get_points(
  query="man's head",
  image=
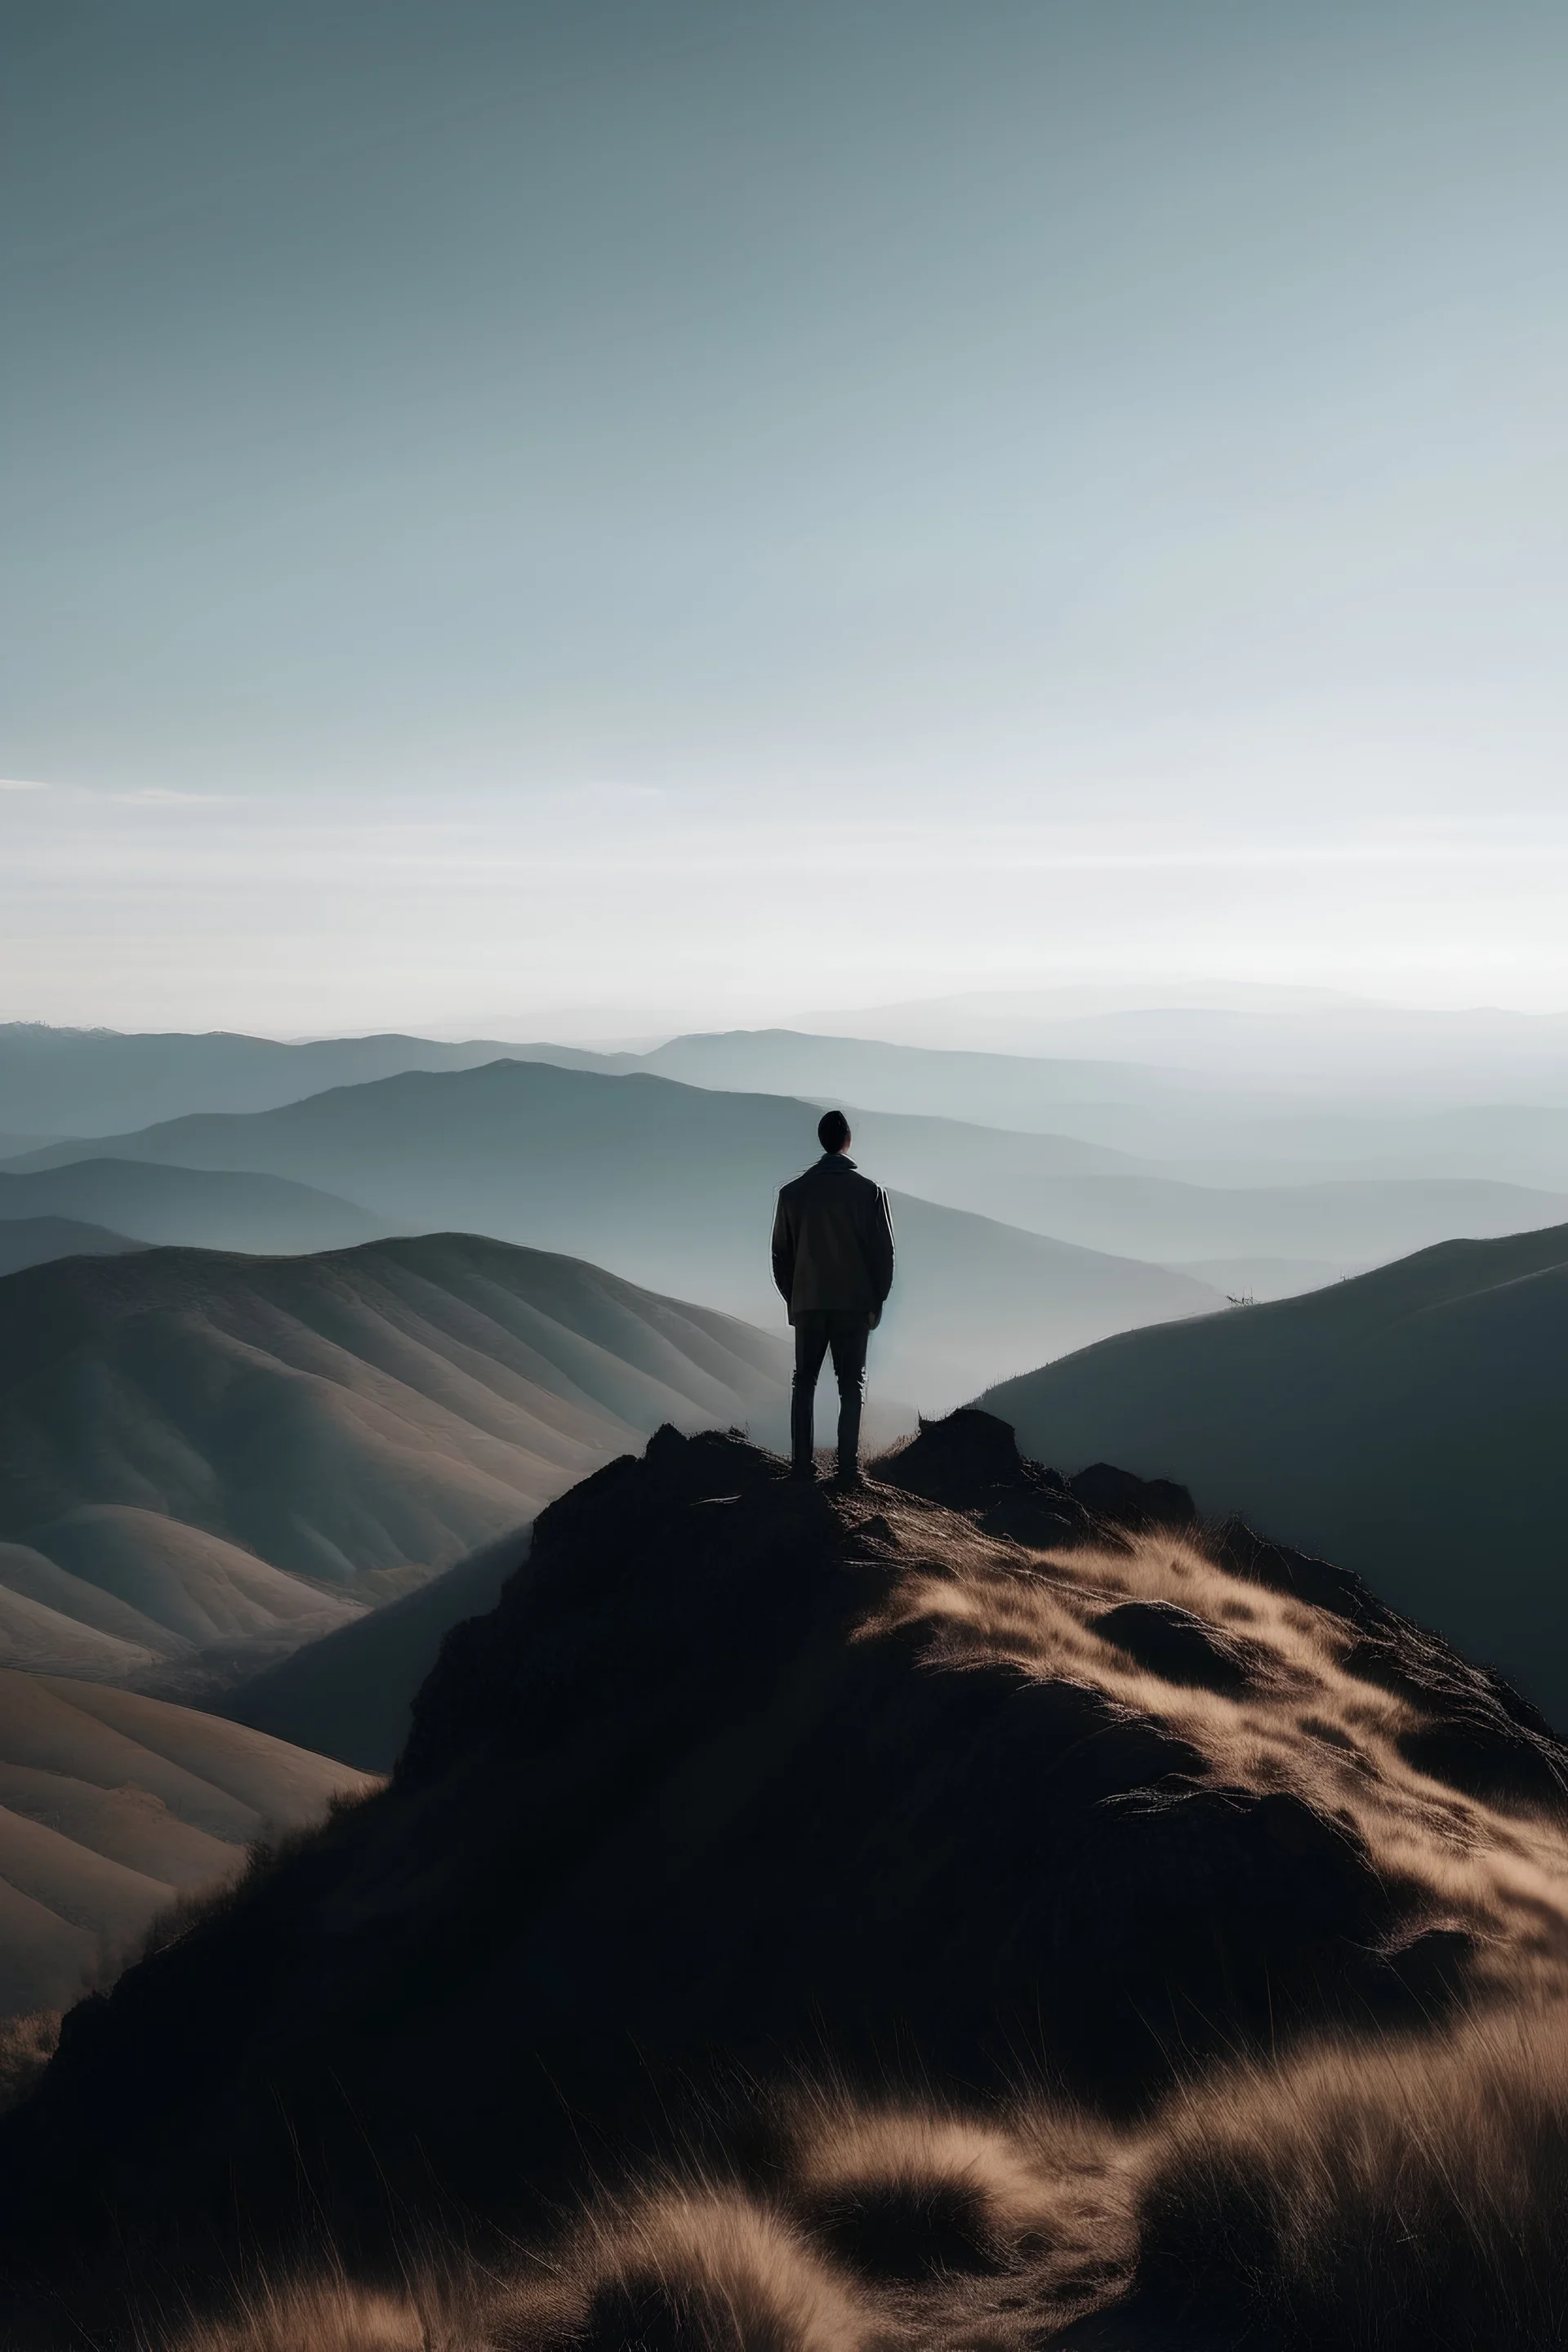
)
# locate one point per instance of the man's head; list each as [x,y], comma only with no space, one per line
[833,1131]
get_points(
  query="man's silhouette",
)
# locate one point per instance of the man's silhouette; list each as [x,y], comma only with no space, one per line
[833,1262]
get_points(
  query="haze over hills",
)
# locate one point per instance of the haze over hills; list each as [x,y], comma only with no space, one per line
[113,1807]
[207,1460]
[33,1241]
[1314,1040]
[1222,1109]
[1242,1189]
[674,1186]
[1409,1423]
[1001,1090]
[1014,1883]
[82,1081]
[196,1207]
[1112,1203]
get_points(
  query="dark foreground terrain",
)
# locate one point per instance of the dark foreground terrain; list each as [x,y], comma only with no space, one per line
[969,1912]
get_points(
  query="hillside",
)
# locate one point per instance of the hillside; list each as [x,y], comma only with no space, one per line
[1409,1424]
[197,1208]
[34,1241]
[674,1186]
[112,1807]
[207,1460]
[802,1841]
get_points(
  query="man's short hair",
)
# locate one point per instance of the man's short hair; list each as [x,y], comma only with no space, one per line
[833,1130]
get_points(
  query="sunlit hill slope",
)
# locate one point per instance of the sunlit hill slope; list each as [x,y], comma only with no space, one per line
[205,1460]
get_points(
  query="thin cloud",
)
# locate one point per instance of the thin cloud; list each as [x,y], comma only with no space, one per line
[16,784]
[161,796]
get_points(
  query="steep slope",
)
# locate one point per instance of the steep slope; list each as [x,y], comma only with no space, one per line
[34,1241]
[197,1207]
[926,1787]
[111,1808]
[1409,1423]
[212,1459]
[674,1186]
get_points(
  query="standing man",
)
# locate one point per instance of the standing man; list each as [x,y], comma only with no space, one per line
[833,1263]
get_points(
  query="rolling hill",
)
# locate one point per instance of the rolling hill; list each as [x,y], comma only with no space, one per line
[34,1241]
[206,1461]
[980,1911]
[1409,1423]
[674,1186]
[113,1807]
[197,1208]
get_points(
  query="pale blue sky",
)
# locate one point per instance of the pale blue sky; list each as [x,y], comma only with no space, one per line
[714,509]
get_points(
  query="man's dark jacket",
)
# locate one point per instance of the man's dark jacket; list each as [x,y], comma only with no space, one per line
[833,1240]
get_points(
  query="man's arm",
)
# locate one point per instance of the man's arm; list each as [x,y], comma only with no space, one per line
[783,1254]
[879,1247]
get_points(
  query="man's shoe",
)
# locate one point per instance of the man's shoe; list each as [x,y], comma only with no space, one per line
[803,1473]
[849,1481]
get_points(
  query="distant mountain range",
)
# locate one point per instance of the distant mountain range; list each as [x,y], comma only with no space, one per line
[1410,1423]
[112,1807]
[206,1461]
[195,1207]
[672,1186]
[1326,1184]
[95,1081]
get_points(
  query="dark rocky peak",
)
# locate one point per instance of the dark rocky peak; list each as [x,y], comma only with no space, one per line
[969,1461]
[1117,1495]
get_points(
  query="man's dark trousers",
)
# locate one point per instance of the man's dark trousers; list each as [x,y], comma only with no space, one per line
[845,1330]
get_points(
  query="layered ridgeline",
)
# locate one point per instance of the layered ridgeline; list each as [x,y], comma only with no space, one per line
[113,1809]
[1269,1236]
[1411,1424]
[976,1911]
[674,1186]
[206,1461]
[200,1208]
[56,1082]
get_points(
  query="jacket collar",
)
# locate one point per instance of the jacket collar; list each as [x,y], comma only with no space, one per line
[842,1156]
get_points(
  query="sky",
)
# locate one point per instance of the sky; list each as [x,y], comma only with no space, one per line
[593,516]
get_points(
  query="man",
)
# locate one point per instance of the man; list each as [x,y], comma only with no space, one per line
[833,1263]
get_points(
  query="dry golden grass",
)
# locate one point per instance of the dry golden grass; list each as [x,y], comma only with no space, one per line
[328,2314]
[27,2045]
[1300,1722]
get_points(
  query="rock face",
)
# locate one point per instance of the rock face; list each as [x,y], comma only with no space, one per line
[948,1778]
